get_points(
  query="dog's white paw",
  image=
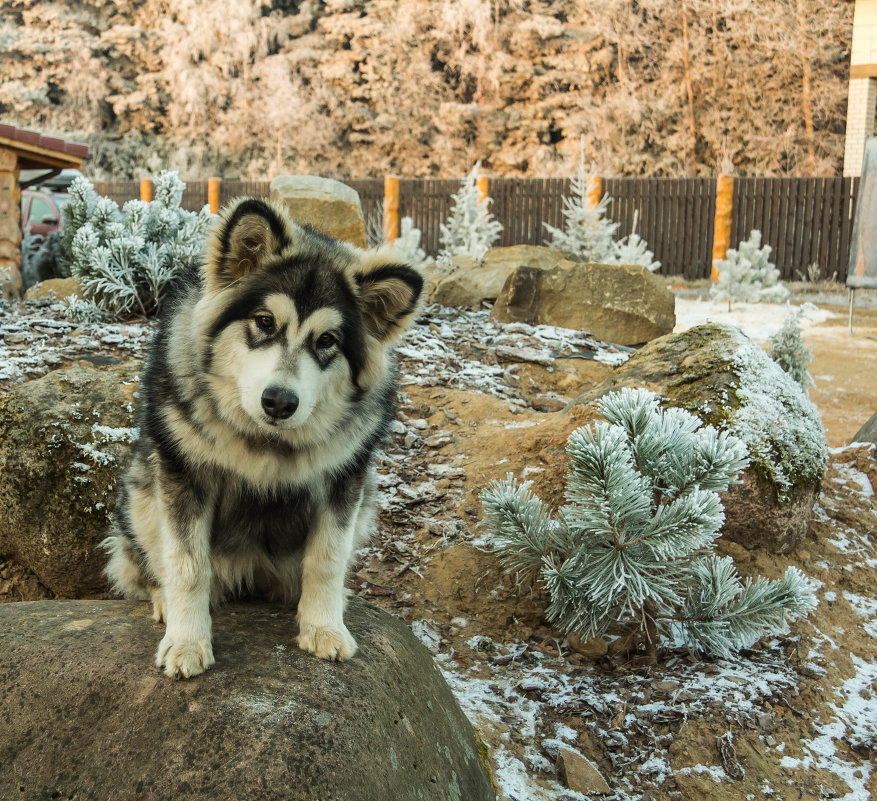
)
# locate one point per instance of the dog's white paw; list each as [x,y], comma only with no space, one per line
[186,658]
[327,642]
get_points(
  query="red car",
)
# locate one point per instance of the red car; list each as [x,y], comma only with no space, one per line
[41,212]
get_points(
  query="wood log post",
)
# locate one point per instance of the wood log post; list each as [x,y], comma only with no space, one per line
[593,190]
[146,190]
[722,223]
[214,193]
[482,183]
[391,208]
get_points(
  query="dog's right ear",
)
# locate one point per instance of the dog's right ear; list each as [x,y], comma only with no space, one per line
[248,231]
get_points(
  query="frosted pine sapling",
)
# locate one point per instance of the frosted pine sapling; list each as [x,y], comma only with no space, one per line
[126,260]
[746,275]
[634,543]
[633,249]
[788,349]
[470,229]
[586,232]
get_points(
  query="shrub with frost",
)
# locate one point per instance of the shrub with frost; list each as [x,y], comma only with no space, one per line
[586,231]
[590,236]
[634,544]
[788,349]
[407,244]
[471,229]
[633,249]
[746,274]
[127,259]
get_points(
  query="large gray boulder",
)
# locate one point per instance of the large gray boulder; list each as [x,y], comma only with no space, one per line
[323,203]
[87,716]
[470,283]
[625,304]
[63,440]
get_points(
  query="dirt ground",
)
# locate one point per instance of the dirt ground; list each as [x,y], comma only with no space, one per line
[778,723]
[844,368]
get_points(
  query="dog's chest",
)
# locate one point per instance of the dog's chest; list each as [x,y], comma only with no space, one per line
[277,523]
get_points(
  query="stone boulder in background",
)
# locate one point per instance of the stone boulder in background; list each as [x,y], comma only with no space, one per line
[90,717]
[63,440]
[624,304]
[323,203]
[54,289]
[470,283]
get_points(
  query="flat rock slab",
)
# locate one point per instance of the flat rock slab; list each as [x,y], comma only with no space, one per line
[87,716]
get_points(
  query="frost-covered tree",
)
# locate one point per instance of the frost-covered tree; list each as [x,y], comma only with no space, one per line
[745,274]
[633,249]
[634,543]
[788,349]
[407,244]
[470,229]
[126,260]
[586,231]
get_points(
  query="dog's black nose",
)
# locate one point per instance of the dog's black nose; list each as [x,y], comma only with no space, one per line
[279,403]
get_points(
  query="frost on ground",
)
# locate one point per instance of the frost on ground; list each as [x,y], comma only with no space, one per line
[36,338]
[684,730]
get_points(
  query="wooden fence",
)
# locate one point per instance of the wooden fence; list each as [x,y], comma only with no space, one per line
[804,220]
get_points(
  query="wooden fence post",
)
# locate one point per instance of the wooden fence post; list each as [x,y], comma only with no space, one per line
[594,190]
[146,190]
[722,224]
[214,193]
[391,208]
[481,182]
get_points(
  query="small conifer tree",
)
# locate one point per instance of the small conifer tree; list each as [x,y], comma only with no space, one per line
[407,244]
[633,249]
[126,260]
[746,275]
[788,349]
[634,543]
[586,232]
[470,229]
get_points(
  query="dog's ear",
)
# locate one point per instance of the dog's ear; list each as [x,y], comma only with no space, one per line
[248,231]
[389,293]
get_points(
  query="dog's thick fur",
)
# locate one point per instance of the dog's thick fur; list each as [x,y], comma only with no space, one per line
[270,385]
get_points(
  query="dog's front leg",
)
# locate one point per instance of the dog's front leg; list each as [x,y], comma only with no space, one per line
[321,628]
[186,649]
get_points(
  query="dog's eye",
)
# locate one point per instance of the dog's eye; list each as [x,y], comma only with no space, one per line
[265,323]
[325,340]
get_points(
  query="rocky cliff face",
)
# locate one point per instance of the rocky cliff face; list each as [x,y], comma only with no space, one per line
[353,88]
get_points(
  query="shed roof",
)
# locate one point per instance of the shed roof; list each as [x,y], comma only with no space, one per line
[36,150]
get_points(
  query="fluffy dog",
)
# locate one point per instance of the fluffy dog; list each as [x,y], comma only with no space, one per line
[270,384]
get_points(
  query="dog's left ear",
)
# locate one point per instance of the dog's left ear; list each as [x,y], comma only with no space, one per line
[389,293]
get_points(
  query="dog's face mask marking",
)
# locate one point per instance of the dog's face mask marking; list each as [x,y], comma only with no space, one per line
[290,364]
[298,323]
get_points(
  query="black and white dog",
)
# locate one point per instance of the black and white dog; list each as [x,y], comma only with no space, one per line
[270,385]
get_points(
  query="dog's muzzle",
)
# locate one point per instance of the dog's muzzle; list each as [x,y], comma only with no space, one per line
[279,403]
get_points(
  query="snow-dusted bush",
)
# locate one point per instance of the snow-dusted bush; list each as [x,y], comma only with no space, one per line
[634,544]
[590,236]
[788,349]
[470,229]
[586,232]
[633,249]
[407,244]
[126,260]
[745,274]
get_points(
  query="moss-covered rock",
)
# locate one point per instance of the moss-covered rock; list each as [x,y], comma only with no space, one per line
[89,717]
[63,438]
[722,376]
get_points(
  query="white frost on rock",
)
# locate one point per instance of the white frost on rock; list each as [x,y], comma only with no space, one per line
[776,419]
